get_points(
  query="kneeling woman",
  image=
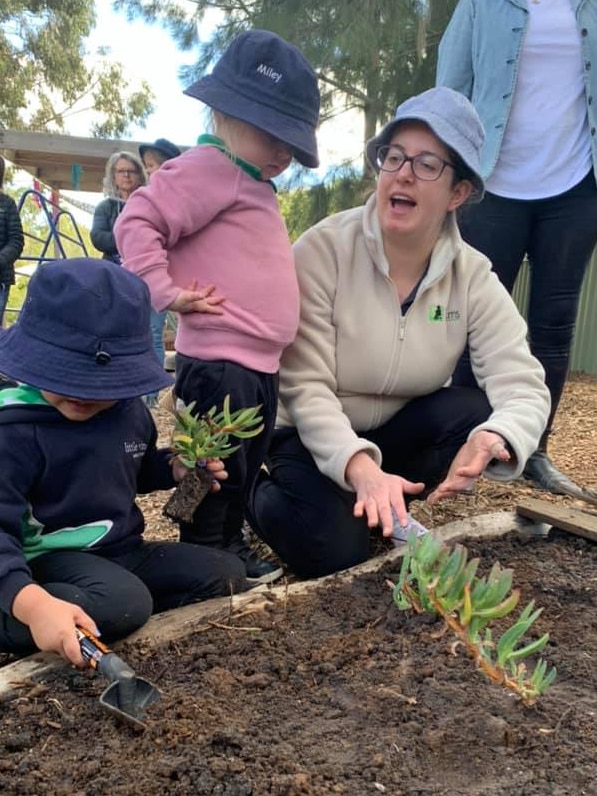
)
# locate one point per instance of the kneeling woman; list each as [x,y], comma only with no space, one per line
[390,295]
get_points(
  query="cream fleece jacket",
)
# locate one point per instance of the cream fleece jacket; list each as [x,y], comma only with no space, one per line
[357,360]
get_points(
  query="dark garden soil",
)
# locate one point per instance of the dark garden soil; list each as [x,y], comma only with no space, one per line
[334,692]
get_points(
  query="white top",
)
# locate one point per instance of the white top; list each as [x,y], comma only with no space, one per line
[546,148]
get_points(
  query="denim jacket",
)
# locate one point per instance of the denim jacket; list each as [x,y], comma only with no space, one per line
[479,56]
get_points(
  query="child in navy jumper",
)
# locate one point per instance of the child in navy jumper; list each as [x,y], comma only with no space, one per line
[211,217]
[76,446]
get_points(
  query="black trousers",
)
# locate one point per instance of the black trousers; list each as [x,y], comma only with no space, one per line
[219,518]
[308,519]
[122,592]
[558,235]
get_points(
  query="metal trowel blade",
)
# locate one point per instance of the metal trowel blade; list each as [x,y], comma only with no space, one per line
[129,699]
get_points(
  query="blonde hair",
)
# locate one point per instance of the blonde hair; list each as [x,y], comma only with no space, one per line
[110,188]
[229,129]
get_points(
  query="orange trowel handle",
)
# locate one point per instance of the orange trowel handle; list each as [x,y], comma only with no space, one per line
[92,648]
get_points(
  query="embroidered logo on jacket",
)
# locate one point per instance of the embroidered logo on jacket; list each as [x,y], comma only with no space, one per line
[135,447]
[438,314]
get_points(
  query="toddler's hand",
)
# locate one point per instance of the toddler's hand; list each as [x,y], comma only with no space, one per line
[192,299]
[216,468]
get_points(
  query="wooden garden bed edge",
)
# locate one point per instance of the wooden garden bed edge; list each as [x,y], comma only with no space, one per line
[177,623]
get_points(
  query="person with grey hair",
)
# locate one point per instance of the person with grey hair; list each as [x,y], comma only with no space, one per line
[124,174]
[390,296]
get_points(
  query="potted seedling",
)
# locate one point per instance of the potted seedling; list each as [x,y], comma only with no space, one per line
[443,581]
[199,437]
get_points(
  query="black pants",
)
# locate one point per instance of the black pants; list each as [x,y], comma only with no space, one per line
[558,235]
[121,593]
[219,518]
[308,519]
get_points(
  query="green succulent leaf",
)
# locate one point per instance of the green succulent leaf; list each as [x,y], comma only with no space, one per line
[433,577]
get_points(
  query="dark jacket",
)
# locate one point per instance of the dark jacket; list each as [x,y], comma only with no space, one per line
[11,239]
[102,229]
[71,484]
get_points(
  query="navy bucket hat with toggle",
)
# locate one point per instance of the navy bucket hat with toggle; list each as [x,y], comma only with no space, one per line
[84,332]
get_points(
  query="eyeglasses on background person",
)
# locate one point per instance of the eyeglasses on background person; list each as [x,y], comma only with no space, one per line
[126,172]
[425,165]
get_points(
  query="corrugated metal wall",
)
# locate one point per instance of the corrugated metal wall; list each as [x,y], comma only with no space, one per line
[584,349]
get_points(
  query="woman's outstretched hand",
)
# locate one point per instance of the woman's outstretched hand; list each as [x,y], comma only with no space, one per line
[469,463]
[379,494]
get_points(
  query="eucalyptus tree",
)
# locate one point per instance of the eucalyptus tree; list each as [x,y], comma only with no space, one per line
[369,54]
[45,72]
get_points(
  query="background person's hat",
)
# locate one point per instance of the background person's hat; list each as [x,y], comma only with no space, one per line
[454,121]
[265,81]
[84,332]
[167,148]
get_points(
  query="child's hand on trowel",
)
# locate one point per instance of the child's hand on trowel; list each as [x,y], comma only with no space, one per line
[52,622]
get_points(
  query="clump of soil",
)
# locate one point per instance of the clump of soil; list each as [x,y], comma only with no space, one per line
[183,501]
[334,692]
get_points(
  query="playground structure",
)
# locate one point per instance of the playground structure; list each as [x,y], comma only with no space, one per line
[59,227]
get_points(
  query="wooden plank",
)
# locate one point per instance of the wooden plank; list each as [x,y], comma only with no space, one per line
[572,520]
[180,622]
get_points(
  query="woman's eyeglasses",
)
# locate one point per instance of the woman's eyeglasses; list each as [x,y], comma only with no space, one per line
[126,172]
[425,166]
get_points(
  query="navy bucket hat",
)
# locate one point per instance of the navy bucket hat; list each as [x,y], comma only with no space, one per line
[162,145]
[84,332]
[267,82]
[452,118]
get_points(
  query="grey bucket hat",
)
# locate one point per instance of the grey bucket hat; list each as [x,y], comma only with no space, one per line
[452,118]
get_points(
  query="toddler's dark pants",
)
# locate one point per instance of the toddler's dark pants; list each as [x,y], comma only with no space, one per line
[219,518]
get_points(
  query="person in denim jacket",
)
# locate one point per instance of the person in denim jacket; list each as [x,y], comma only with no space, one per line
[530,69]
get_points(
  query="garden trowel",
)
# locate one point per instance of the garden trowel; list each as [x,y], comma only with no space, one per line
[127,696]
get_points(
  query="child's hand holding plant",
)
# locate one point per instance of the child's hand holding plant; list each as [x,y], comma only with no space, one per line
[200,443]
[216,468]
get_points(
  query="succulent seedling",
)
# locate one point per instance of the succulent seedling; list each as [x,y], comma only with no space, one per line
[437,579]
[199,437]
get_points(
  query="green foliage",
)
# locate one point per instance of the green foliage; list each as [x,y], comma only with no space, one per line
[303,207]
[437,579]
[43,73]
[207,436]
[369,55]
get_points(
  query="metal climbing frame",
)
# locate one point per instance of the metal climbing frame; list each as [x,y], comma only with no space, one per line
[61,227]
[58,228]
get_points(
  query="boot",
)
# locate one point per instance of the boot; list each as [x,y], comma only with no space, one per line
[258,569]
[544,474]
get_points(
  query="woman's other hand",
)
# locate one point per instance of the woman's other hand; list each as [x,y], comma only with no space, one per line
[469,463]
[379,495]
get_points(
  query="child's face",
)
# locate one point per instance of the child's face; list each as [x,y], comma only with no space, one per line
[262,150]
[76,409]
[151,162]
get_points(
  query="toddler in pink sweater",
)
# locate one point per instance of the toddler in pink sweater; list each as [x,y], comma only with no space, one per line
[211,217]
